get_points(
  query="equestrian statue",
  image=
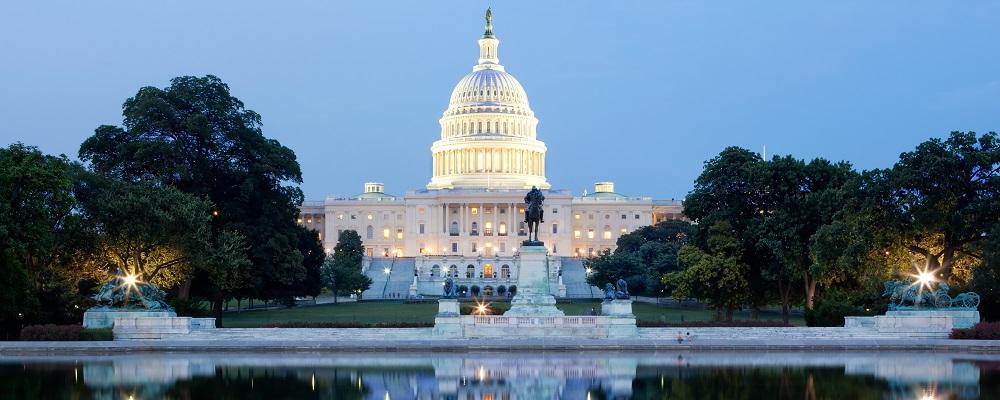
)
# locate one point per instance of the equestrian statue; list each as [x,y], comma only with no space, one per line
[534,215]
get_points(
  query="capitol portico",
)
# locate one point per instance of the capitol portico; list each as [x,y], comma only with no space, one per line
[468,221]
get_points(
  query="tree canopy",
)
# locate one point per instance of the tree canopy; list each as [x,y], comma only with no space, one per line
[195,136]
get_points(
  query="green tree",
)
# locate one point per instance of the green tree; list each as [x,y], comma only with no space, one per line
[642,257]
[341,271]
[933,207]
[729,190]
[717,276]
[800,198]
[195,136]
[40,229]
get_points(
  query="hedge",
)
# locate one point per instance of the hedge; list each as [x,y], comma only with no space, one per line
[51,332]
[982,330]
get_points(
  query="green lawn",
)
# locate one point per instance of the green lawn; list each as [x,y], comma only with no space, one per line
[375,312]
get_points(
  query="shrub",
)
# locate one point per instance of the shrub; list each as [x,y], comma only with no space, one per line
[982,330]
[713,324]
[351,324]
[831,309]
[492,309]
[50,332]
[191,308]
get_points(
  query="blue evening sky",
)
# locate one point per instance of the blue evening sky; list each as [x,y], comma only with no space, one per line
[638,92]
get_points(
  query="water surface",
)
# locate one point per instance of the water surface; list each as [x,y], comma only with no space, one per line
[496,376]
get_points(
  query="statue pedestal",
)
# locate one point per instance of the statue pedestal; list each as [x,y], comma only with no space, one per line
[533,298]
[105,318]
[448,321]
[621,321]
[961,319]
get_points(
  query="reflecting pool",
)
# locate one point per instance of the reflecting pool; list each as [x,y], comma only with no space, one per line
[496,376]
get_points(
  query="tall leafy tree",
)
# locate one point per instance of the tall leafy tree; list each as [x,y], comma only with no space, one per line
[194,135]
[717,275]
[933,207]
[801,198]
[729,191]
[342,271]
[40,232]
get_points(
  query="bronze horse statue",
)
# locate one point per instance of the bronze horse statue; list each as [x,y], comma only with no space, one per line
[534,214]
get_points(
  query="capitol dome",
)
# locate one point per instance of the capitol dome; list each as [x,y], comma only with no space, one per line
[488,137]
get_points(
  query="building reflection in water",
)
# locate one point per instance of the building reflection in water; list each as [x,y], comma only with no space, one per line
[494,376]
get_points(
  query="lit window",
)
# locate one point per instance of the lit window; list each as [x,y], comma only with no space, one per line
[385,233]
[502,229]
[590,233]
[399,233]
[624,231]
[370,217]
[576,234]
[310,220]
[577,216]
[488,229]
[340,216]
[298,221]
[607,234]
[475,211]
[421,211]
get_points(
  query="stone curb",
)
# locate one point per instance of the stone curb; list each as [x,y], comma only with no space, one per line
[476,345]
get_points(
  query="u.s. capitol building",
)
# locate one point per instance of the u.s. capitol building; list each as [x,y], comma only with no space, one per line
[469,220]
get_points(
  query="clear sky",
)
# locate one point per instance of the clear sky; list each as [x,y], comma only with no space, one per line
[637,92]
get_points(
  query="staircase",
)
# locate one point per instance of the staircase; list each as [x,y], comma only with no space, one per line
[575,278]
[397,281]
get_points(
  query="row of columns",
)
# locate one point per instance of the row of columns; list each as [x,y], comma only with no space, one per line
[509,128]
[466,161]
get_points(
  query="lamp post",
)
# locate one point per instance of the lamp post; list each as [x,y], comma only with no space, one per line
[387,271]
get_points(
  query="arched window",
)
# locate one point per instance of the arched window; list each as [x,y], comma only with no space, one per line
[436,270]
[487,290]
[370,232]
[504,272]
[474,290]
[512,290]
[501,290]
[453,231]
[453,271]
[470,271]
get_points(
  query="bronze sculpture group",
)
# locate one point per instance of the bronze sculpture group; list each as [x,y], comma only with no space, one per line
[905,295]
[617,291]
[118,294]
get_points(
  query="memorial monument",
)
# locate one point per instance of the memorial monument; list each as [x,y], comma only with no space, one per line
[126,296]
[533,298]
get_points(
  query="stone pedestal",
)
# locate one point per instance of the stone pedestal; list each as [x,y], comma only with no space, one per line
[617,308]
[133,327]
[621,320]
[97,319]
[448,321]
[961,319]
[533,298]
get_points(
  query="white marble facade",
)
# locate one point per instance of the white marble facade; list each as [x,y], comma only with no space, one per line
[471,212]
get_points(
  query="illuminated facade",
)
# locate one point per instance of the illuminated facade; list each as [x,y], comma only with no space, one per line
[468,221]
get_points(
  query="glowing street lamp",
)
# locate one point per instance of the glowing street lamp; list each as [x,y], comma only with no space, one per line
[386,270]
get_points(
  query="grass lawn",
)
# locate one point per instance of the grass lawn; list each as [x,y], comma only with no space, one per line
[375,312]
